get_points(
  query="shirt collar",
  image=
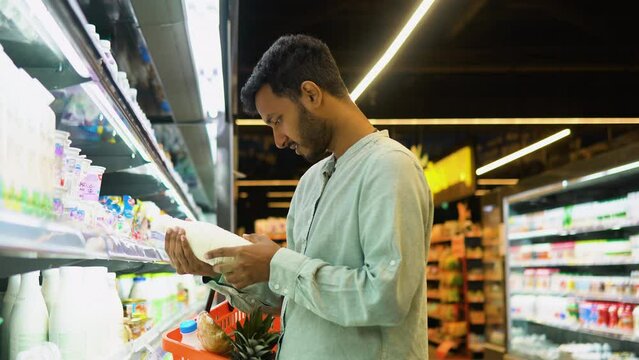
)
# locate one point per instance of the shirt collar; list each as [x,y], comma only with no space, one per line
[329,167]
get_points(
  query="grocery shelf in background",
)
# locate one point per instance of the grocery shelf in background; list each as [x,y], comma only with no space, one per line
[573,266]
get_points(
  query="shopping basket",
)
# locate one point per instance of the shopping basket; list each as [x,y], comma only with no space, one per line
[225,316]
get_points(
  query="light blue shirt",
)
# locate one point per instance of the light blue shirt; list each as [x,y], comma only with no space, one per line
[352,279]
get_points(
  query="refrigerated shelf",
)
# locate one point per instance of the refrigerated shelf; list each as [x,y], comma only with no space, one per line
[592,297]
[575,262]
[58,48]
[608,333]
[149,340]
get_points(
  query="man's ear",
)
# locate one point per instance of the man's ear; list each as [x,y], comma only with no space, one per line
[311,94]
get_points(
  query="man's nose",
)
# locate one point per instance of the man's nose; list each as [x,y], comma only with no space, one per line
[281,140]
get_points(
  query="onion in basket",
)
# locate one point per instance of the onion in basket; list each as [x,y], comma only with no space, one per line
[211,335]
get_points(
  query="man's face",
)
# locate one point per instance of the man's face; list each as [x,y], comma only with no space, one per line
[293,125]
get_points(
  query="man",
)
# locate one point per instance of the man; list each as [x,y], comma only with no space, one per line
[351,283]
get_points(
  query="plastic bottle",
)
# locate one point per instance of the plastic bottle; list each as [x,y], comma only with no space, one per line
[7,305]
[202,236]
[29,317]
[635,316]
[50,287]
[189,335]
[97,316]
[116,314]
[68,326]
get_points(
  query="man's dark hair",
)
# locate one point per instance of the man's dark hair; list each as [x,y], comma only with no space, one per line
[290,61]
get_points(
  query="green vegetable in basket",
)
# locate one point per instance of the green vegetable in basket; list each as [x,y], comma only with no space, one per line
[253,341]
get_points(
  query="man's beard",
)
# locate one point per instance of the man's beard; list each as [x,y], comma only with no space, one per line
[315,135]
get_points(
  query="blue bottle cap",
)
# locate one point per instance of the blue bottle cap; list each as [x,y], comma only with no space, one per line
[188,326]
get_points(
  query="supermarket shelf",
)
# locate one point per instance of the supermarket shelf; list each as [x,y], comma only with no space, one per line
[154,335]
[438,341]
[440,240]
[575,262]
[476,278]
[60,67]
[618,335]
[476,301]
[31,238]
[592,297]
[494,278]
[576,231]
[474,258]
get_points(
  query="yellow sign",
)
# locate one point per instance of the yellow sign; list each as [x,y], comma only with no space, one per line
[453,173]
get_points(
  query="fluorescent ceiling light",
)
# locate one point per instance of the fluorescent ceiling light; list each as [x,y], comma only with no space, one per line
[497,181]
[50,31]
[280,194]
[481,192]
[479,121]
[267,182]
[523,152]
[202,22]
[279,205]
[393,48]
[244,195]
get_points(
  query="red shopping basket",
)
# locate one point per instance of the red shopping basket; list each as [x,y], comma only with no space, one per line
[225,316]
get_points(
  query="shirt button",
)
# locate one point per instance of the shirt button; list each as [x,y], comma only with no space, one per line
[276,286]
[252,301]
[285,291]
[393,262]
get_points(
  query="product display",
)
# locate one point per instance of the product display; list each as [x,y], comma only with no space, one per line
[202,236]
[573,284]
[71,127]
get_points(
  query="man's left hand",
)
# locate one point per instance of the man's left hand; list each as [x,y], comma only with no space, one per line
[252,262]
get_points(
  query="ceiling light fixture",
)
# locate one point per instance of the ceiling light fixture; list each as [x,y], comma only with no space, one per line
[280,194]
[523,152]
[267,182]
[497,182]
[279,205]
[481,192]
[479,121]
[392,49]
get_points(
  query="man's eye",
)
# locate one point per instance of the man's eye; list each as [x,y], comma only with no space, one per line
[277,121]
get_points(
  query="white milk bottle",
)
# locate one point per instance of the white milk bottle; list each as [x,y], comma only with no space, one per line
[97,317]
[50,287]
[67,326]
[116,315]
[29,317]
[202,236]
[7,305]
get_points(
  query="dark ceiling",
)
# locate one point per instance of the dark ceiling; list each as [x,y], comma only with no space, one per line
[468,58]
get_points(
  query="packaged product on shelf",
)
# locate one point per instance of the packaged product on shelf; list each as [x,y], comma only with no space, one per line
[115,329]
[8,302]
[29,321]
[202,236]
[97,314]
[50,287]
[68,326]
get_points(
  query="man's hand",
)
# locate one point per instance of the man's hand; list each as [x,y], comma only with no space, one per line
[252,262]
[181,255]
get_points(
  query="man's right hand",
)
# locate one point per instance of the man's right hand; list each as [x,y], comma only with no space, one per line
[181,255]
